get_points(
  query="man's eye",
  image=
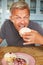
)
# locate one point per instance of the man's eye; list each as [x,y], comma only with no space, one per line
[25,17]
[17,17]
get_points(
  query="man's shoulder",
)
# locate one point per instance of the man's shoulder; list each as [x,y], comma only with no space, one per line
[35,26]
[33,23]
[7,22]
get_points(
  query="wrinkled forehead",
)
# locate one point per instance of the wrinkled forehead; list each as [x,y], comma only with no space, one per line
[20,10]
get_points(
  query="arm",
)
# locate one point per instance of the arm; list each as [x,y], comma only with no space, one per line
[0,40]
[2,32]
[40,39]
[36,36]
[33,37]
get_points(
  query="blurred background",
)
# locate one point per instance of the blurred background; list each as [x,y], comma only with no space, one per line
[36,11]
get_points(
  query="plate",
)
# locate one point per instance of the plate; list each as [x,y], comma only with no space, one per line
[29,59]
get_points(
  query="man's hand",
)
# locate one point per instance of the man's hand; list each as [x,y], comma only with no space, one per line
[33,37]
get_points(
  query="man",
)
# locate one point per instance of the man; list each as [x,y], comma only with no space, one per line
[19,18]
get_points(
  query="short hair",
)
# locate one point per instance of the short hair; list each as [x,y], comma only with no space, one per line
[19,5]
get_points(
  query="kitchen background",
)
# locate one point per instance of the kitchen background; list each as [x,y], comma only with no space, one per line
[36,11]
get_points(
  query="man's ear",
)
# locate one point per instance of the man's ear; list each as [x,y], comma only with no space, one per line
[10,17]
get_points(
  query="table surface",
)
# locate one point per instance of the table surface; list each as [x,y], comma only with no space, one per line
[36,52]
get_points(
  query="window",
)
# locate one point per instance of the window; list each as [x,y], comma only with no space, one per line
[0,12]
[9,3]
[32,6]
[41,6]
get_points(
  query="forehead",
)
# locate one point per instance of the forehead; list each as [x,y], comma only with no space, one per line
[20,12]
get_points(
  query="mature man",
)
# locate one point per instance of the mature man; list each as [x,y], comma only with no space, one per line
[20,17]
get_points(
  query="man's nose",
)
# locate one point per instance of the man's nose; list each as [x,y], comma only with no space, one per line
[22,21]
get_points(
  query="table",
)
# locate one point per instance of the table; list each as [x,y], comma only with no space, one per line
[36,52]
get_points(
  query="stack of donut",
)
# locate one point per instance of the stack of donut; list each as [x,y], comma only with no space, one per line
[24,30]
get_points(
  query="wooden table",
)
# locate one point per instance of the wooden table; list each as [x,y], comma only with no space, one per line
[36,52]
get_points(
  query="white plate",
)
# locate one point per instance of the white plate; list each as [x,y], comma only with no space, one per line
[29,59]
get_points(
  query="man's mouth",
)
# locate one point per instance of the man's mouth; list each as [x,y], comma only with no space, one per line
[21,26]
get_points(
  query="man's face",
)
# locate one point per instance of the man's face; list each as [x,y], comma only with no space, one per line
[20,18]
